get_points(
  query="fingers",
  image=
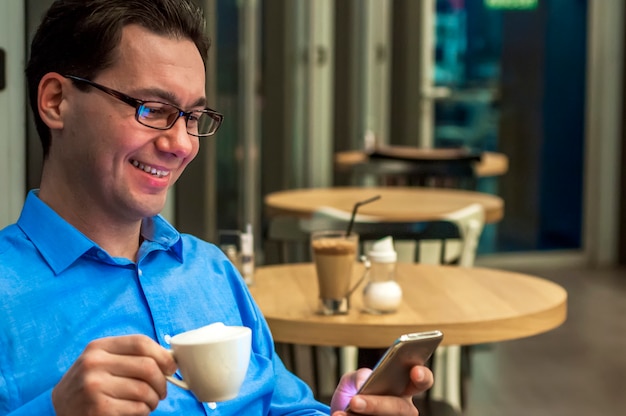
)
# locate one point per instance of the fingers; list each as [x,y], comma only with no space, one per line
[124,377]
[137,345]
[348,387]
[361,375]
[381,406]
[421,380]
[117,375]
[135,360]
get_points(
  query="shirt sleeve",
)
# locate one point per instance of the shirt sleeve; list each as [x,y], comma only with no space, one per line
[291,395]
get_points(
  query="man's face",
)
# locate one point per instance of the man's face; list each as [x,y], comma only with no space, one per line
[115,165]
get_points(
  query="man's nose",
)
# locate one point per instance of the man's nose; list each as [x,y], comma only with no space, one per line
[178,142]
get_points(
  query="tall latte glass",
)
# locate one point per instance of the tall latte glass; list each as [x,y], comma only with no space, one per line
[334,255]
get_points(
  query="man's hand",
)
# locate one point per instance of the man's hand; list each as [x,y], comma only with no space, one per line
[115,376]
[422,380]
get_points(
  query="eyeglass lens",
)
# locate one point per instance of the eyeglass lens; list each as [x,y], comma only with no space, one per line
[163,116]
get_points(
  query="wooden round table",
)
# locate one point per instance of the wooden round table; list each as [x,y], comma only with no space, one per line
[397,204]
[469,305]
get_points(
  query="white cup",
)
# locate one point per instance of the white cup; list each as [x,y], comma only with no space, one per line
[213,360]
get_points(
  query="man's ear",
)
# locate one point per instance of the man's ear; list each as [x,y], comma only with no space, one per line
[50,98]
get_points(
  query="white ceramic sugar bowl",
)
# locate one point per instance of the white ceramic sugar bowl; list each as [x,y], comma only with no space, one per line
[382,294]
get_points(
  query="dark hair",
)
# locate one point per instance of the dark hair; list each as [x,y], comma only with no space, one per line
[79,37]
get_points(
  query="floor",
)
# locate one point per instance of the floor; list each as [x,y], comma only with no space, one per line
[576,369]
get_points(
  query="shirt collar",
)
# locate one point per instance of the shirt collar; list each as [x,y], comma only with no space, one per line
[44,227]
[159,234]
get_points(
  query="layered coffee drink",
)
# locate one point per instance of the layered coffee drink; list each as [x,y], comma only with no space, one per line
[334,256]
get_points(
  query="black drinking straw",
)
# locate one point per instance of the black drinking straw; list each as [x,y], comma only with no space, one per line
[356,206]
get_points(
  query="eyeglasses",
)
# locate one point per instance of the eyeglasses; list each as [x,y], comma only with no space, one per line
[163,116]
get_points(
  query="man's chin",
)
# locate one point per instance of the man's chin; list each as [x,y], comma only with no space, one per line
[155,208]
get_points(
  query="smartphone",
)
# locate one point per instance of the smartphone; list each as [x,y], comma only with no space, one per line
[390,375]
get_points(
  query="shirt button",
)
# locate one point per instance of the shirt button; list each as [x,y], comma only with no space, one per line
[102,255]
[140,272]
[167,338]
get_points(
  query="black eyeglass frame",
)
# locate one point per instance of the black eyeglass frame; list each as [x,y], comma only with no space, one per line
[140,104]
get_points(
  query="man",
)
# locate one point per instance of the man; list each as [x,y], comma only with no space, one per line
[94,282]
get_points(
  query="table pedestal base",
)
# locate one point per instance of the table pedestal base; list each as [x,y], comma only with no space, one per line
[334,306]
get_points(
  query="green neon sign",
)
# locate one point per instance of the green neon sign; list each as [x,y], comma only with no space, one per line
[511,4]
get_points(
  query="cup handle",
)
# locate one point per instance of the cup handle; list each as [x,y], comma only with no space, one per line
[180,383]
[367,264]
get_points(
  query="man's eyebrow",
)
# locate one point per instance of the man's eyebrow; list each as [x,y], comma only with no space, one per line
[168,97]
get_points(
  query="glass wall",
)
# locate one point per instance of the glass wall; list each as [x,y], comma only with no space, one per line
[518,86]
[516,80]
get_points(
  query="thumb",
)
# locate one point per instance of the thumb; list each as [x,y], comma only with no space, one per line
[347,388]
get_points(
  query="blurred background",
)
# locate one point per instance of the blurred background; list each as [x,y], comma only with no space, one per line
[298,81]
[540,81]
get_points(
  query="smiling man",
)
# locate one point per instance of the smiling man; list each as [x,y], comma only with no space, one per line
[115,171]
[94,281]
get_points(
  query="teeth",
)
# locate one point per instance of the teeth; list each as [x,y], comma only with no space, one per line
[149,169]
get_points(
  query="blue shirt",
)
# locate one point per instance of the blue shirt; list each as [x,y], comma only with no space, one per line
[60,291]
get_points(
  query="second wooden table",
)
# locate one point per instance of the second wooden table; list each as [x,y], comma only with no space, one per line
[397,204]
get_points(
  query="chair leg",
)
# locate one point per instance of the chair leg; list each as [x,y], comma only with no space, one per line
[348,360]
[316,371]
[328,365]
[453,376]
[447,387]
[437,391]
[466,371]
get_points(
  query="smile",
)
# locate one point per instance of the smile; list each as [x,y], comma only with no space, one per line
[149,169]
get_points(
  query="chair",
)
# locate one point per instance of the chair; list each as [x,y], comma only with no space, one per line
[451,240]
[285,234]
[441,167]
[448,361]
